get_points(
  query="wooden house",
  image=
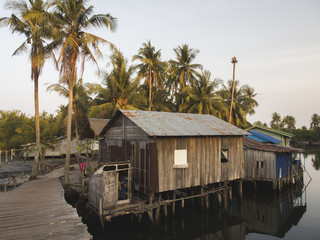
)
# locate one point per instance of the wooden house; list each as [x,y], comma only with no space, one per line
[269,162]
[282,137]
[169,151]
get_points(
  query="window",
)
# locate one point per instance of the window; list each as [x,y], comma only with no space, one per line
[257,164]
[180,159]
[224,155]
[261,164]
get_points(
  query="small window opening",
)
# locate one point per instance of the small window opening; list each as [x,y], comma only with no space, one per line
[180,159]
[257,164]
[224,155]
[261,164]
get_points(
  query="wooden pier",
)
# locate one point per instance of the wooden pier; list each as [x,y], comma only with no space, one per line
[38,210]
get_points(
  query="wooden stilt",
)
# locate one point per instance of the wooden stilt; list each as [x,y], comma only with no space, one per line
[255,185]
[182,204]
[150,214]
[101,214]
[219,198]
[12,154]
[173,203]
[207,202]
[5,187]
[202,200]
[158,210]
[274,185]
[165,210]
[240,191]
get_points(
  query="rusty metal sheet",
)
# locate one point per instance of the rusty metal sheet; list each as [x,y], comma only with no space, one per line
[181,124]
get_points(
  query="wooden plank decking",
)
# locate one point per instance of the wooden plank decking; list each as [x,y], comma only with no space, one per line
[38,210]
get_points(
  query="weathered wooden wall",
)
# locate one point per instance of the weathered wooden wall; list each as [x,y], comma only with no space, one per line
[253,169]
[203,158]
[234,168]
[95,190]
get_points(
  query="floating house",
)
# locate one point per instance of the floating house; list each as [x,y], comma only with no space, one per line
[272,163]
[157,152]
[269,135]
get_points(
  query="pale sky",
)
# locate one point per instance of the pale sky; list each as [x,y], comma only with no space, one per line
[277,44]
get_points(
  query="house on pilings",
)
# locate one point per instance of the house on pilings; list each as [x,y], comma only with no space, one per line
[271,163]
[159,152]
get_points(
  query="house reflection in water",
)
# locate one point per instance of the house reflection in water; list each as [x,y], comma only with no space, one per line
[273,214]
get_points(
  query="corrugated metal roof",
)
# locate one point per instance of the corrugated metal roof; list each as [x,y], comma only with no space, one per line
[181,124]
[253,144]
[262,137]
[271,130]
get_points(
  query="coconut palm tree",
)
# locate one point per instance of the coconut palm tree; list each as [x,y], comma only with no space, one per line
[33,22]
[183,70]
[73,18]
[289,122]
[243,102]
[203,98]
[315,121]
[81,102]
[276,121]
[151,68]
[118,91]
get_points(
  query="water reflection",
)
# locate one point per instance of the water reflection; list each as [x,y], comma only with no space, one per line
[261,212]
[315,152]
[274,214]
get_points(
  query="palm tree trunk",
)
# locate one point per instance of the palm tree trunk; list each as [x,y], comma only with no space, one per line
[37,128]
[69,123]
[150,89]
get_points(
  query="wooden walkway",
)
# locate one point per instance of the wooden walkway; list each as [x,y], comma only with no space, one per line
[38,210]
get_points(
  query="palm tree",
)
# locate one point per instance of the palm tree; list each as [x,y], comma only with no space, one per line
[243,102]
[73,18]
[276,121]
[183,70]
[203,98]
[32,21]
[289,123]
[151,68]
[81,102]
[315,121]
[119,91]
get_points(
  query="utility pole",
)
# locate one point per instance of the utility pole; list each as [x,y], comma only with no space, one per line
[233,61]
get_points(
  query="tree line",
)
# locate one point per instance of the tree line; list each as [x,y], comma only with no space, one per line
[58,30]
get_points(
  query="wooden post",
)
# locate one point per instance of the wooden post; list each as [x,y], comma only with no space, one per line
[274,185]
[255,185]
[15,183]
[158,209]
[5,187]
[150,214]
[202,200]
[6,157]
[240,189]
[230,193]
[12,154]
[101,214]
[165,207]
[219,198]
[173,203]
[207,202]
[0,158]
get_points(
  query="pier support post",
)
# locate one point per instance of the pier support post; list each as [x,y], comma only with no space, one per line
[150,214]
[173,203]
[219,198]
[5,187]
[255,186]
[240,189]
[12,154]
[165,208]
[101,214]
[158,209]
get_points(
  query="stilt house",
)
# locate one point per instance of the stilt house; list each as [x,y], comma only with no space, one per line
[269,162]
[168,151]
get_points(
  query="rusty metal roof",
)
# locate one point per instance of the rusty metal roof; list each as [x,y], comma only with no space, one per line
[181,124]
[253,144]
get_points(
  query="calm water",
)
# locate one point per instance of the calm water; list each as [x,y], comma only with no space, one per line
[293,214]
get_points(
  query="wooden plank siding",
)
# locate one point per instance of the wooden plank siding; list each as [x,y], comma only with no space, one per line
[203,158]
[253,169]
